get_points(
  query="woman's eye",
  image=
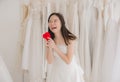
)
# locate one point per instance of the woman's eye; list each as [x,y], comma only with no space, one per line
[49,21]
[55,21]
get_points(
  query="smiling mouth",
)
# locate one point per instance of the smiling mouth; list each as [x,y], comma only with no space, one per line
[54,28]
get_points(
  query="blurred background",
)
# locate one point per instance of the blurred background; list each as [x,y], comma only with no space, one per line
[96,23]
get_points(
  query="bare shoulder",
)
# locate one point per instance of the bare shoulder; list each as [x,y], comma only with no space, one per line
[71,46]
[72,42]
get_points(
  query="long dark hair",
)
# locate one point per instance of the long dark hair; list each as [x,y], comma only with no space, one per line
[67,35]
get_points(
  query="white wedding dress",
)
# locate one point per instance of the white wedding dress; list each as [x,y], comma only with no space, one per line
[62,72]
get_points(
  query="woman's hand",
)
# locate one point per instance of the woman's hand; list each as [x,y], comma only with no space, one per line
[50,43]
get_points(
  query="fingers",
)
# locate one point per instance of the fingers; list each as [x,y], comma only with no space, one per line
[49,38]
[50,43]
[47,44]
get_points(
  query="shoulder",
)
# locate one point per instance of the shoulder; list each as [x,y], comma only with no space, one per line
[72,42]
[71,45]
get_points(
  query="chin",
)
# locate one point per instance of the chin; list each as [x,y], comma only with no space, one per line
[55,31]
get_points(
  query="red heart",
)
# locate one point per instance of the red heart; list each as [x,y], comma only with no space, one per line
[46,35]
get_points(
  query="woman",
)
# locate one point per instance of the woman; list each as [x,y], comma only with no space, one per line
[60,52]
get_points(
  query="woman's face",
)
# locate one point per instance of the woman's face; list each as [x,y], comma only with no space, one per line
[54,24]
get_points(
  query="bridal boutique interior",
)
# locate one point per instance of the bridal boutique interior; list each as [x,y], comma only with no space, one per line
[96,23]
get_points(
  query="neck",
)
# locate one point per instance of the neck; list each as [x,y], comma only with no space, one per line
[58,35]
[59,38]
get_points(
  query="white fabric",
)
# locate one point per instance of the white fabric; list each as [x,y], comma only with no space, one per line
[4,73]
[98,51]
[109,64]
[33,52]
[109,51]
[62,72]
[26,51]
[116,64]
[84,49]
[36,51]
[115,11]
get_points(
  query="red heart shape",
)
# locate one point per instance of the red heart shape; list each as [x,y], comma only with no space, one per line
[46,35]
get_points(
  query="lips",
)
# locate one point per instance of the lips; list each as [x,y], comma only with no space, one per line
[53,28]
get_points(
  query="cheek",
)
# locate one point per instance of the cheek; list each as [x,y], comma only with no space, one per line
[49,26]
[59,25]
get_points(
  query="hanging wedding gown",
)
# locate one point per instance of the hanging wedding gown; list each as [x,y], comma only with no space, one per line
[84,48]
[111,65]
[62,72]
[33,52]
[36,51]
[98,46]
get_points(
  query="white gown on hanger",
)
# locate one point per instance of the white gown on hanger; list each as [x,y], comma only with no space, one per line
[62,72]
[111,37]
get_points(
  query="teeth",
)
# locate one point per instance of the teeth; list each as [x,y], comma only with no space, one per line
[54,28]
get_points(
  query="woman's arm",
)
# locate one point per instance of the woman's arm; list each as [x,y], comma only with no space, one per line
[49,54]
[69,55]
